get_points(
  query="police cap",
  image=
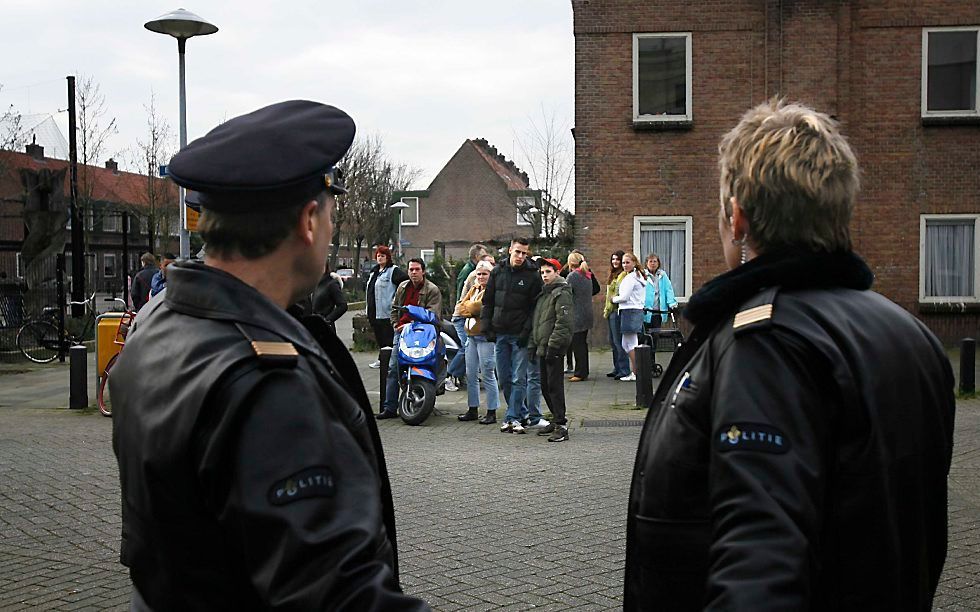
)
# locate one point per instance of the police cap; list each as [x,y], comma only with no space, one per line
[277,155]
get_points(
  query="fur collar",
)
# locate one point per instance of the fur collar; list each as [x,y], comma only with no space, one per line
[790,269]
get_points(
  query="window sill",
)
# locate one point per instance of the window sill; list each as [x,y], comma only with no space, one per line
[950,307]
[663,125]
[951,120]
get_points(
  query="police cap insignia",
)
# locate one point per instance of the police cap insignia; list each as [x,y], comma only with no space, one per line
[751,437]
[275,156]
[315,481]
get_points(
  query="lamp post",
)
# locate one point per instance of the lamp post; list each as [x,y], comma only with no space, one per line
[399,206]
[182,25]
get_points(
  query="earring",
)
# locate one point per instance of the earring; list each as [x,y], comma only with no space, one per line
[744,250]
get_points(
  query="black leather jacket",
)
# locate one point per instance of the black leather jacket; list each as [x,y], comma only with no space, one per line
[795,455]
[252,472]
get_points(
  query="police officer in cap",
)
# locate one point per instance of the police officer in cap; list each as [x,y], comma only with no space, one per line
[252,472]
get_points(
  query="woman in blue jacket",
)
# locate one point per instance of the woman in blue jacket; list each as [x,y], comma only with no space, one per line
[660,293]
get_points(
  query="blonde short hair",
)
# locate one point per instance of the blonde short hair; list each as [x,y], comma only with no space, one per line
[793,174]
[483,265]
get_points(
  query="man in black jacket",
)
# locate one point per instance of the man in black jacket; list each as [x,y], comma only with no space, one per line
[252,473]
[508,304]
[140,289]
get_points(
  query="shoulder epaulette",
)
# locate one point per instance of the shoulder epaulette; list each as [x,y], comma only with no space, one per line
[756,313]
[270,352]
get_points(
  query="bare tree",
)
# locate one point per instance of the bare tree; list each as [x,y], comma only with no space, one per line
[547,152]
[161,207]
[12,134]
[94,130]
[363,216]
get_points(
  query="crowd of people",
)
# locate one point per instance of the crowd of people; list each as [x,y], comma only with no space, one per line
[518,321]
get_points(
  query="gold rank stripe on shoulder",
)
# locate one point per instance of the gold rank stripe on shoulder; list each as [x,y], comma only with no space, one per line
[753,315]
[274,349]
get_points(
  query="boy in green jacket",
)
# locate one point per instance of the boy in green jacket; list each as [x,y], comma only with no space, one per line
[551,334]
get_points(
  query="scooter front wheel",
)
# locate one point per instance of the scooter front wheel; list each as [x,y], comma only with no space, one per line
[417,401]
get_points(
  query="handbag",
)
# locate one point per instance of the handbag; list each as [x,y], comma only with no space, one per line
[473,305]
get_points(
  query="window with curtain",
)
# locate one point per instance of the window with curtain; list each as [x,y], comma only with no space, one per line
[949,257]
[669,238]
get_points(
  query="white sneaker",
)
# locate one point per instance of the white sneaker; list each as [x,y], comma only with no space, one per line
[374,365]
[542,422]
[507,427]
[629,378]
[450,385]
[517,428]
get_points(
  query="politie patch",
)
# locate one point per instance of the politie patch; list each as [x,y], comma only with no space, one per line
[312,482]
[751,437]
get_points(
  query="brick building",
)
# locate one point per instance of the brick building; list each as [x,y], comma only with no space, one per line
[658,83]
[478,196]
[34,224]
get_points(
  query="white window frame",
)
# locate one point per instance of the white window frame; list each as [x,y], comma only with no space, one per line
[427,255]
[639,221]
[946,299]
[111,221]
[105,258]
[417,211]
[689,72]
[522,202]
[18,266]
[924,80]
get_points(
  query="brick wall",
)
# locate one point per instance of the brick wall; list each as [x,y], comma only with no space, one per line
[860,61]
[467,202]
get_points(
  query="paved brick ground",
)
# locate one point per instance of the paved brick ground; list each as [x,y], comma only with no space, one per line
[486,520]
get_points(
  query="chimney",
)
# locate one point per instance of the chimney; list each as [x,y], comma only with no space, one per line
[35,150]
[112,165]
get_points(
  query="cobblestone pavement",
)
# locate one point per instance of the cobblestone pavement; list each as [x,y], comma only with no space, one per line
[486,521]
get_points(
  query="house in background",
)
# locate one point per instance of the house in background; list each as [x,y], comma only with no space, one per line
[478,196]
[658,83]
[34,197]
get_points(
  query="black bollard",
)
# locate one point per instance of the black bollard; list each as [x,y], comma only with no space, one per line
[383,356]
[78,377]
[968,355]
[644,375]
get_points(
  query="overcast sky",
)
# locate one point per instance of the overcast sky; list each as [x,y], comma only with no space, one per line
[425,75]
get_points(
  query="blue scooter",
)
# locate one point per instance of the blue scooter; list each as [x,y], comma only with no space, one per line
[422,363]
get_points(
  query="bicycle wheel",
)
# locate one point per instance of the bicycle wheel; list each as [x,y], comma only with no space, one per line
[105,402]
[38,341]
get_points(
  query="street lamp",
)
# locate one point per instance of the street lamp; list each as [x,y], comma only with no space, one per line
[399,206]
[182,25]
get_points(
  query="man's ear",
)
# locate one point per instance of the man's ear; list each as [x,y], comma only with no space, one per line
[739,223]
[306,226]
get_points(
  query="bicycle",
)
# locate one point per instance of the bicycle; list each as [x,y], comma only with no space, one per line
[122,330]
[38,339]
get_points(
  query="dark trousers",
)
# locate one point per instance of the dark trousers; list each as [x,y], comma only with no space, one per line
[580,350]
[384,333]
[553,387]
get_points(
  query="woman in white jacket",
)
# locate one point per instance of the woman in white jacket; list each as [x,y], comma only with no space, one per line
[631,296]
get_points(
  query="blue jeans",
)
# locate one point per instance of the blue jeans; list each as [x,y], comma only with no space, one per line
[457,367]
[532,403]
[480,360]
[512,369]
[391,383]
[621,361]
